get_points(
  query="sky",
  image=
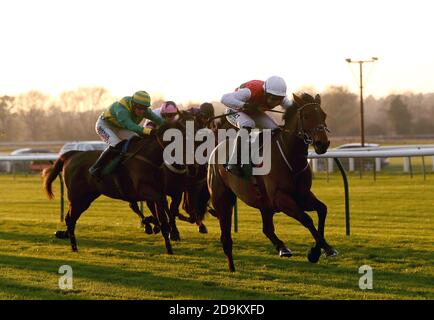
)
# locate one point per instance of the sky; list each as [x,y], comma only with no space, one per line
[197,50]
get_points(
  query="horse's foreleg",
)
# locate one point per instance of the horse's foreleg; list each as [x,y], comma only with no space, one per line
[174,206]
[173,212]
[268,230]
[153,219]
[164,223]
[145,222]
[201,205]
[312,203]
[287,204]
[185,207]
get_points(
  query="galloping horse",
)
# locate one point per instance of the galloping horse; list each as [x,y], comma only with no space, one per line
[179,181]
[187,180]
[285,188]
[138,178]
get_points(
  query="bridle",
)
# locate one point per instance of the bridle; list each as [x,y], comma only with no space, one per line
[185,170]
[301,132]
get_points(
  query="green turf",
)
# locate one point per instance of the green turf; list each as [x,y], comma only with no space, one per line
[392,231]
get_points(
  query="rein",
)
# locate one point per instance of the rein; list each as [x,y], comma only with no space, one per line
[302,134]
[143,158]
[307,138]
[285,159]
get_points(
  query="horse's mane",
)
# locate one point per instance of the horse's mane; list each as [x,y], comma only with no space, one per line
[290,112]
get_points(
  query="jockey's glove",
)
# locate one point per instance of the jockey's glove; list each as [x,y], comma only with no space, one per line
[149,131]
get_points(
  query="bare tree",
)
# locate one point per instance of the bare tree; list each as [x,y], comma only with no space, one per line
[31,110]
[6,106]
[342,109]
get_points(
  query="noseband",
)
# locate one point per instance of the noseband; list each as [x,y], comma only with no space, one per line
[301,132]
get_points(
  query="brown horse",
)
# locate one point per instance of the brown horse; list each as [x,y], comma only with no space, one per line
[285,188]
[190,182]
[138,178]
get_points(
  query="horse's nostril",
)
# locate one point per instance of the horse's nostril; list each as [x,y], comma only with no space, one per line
[321,146]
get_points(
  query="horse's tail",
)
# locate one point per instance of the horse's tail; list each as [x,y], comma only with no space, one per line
[50,174]
[196,200]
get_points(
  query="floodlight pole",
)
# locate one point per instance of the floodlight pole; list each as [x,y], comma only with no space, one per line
[362,117]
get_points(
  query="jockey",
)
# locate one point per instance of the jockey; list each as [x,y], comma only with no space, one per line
[167,111]
[206,112]
[203,113]
[246,109]
[119,122]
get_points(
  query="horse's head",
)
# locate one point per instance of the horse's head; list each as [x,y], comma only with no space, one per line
[180,123]
[186,124]
[309,121]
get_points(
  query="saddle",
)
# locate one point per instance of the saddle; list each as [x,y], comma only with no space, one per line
[114,163]
[256,138]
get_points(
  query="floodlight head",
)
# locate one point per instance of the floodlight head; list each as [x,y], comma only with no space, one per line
[348,60]
[374,58]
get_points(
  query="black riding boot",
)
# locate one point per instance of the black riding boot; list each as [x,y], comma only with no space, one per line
[104,159]
[233,166]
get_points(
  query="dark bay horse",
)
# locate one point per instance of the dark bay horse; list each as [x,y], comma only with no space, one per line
[188,181]
[138,178]
[286,188]
[181,182]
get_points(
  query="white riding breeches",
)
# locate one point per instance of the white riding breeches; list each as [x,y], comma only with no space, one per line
[111,134]
[254,119]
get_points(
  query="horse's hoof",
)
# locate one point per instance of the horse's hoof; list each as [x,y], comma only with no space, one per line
[169,251]
[74,249]
[156,229]
[203,229]
[331,253]
[314,254]
[61,234]
[285,252]
[182,217]
[148,229]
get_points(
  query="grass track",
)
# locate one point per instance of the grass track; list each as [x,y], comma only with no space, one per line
[392,223]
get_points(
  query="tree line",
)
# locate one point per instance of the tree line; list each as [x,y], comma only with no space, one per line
[35,116]
[407,114]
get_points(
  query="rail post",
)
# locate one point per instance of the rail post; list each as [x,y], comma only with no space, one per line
[62,202]
[347,196]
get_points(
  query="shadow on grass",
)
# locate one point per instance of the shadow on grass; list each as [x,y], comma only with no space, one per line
[16,290]
[167,287]
[341,272]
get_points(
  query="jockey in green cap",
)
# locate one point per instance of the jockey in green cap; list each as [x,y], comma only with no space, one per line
[119,123]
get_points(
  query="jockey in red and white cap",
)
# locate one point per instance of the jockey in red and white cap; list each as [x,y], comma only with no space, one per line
[246,108]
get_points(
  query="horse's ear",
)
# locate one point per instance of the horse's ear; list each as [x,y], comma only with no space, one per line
[318,99]
[297,99]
